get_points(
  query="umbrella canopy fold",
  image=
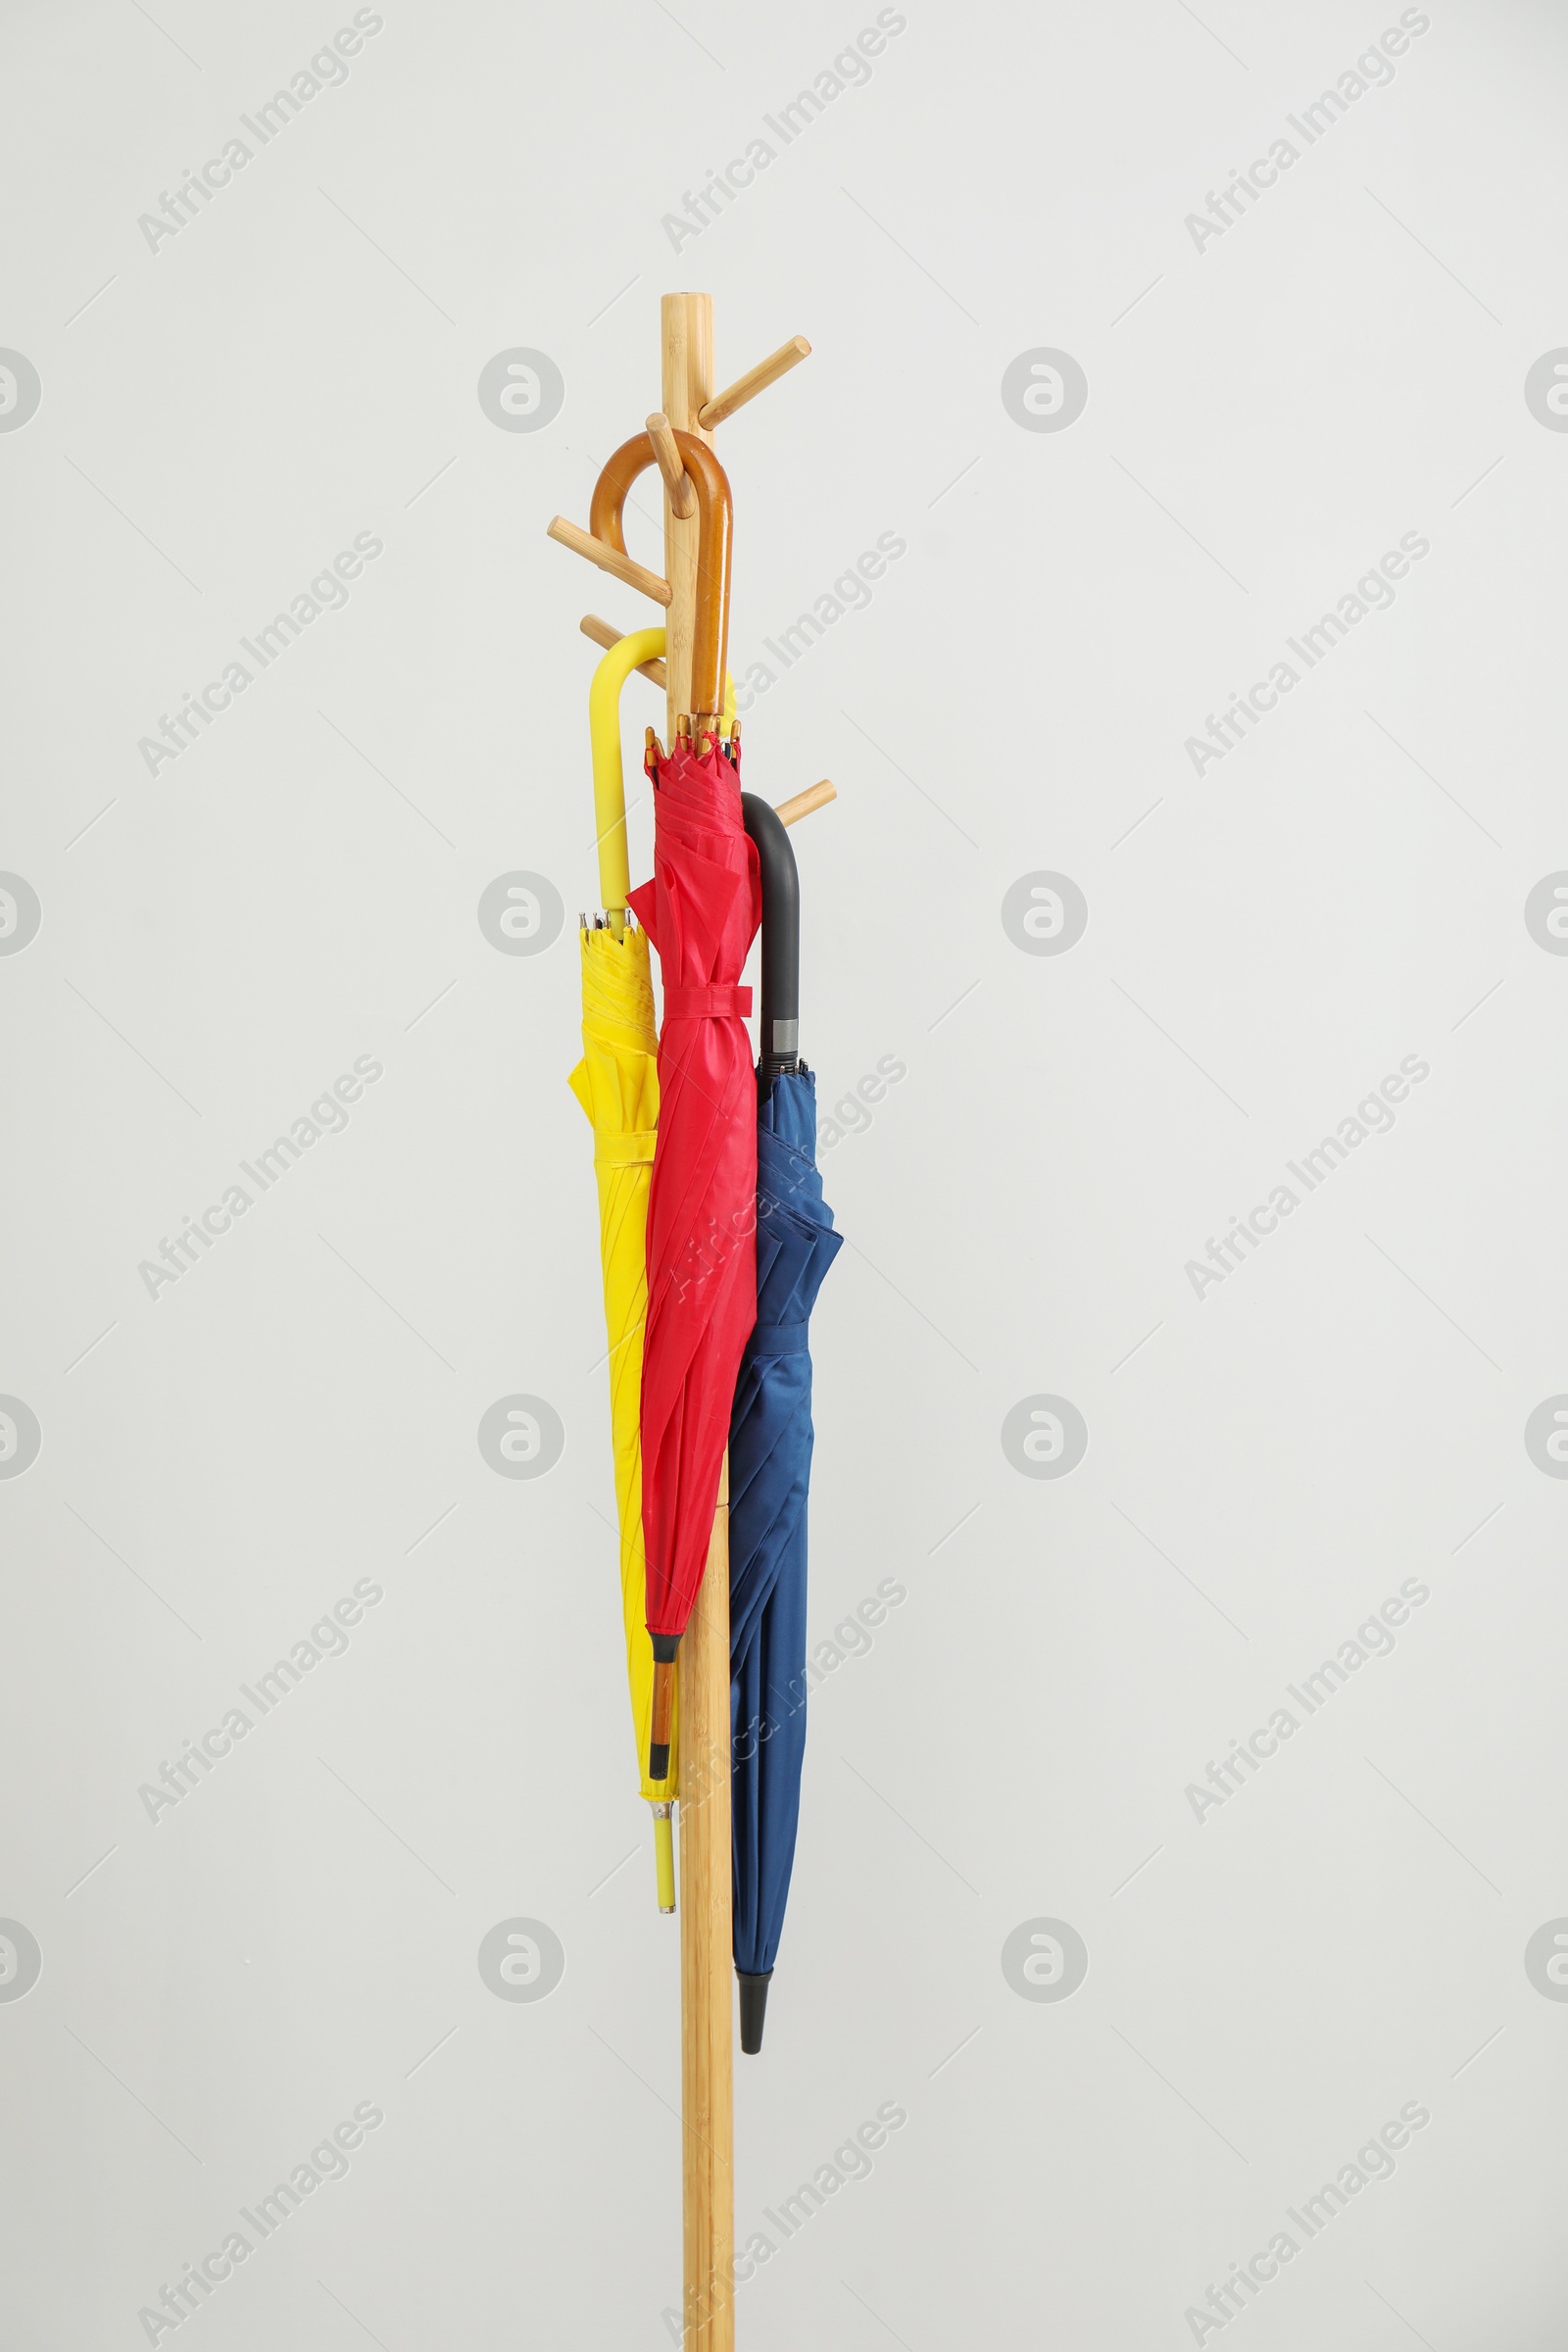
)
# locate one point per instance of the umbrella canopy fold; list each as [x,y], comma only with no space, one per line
[616,1082]
[702,910]
[770,1443]
[770,1466]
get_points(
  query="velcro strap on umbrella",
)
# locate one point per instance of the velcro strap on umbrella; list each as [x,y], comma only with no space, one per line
[779,1338]
[714,1004]
[631,1150]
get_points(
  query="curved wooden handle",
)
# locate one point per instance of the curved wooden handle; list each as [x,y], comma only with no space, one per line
[715,521]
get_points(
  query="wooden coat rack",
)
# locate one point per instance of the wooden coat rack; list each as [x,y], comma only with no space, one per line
[706,1969]
[706,1964]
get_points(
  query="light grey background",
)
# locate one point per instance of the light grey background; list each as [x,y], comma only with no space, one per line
[1267,1985]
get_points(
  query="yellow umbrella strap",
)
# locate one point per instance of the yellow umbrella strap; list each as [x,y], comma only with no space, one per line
[623,1150]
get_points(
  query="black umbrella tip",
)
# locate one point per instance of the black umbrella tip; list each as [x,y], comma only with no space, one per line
[754,2009]
[663,1707]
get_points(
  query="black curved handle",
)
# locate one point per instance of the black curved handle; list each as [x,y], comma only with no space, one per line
[780,1025]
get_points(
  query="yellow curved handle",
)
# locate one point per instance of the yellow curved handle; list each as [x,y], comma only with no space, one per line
[609,782]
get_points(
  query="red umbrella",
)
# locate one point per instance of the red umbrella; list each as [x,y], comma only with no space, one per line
[701,910]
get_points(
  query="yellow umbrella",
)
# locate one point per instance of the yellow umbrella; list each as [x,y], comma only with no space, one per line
[616,1082]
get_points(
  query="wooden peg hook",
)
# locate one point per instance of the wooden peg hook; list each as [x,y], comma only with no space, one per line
[671,464]
[610,558]
[605,633]
[815,795]
[756,379]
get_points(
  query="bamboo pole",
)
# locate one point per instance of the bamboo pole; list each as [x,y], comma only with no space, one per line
[686,335]
[707,2117]
[706,1955]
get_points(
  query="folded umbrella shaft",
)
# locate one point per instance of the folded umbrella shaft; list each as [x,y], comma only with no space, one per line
[617,1085]
[701,910]
[770,1449]
[771,1446]
[767,1730]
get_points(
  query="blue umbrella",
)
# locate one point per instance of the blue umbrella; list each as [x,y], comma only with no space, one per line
[770,1449]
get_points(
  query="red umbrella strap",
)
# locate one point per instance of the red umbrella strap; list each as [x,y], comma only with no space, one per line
[715,1003]
[715,518]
